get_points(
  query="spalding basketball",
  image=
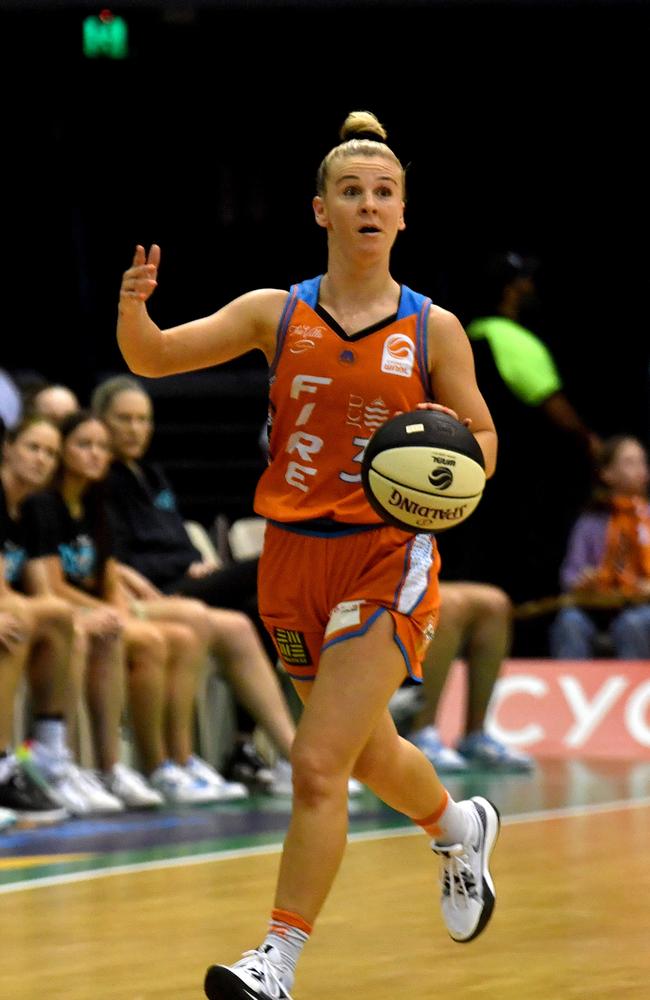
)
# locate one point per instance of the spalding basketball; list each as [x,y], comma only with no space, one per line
[423,471]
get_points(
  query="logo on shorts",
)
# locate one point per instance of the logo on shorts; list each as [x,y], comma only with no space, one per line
[292,647]
[347,614]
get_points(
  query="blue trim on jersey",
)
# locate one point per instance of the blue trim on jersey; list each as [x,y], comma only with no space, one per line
[413,302]
[281,334]
[309,291]
[410,302]
[422,345]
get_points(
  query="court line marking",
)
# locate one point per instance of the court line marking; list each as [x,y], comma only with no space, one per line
[566,812]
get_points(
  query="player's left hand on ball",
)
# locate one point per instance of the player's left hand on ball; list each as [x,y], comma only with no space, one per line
[466,421]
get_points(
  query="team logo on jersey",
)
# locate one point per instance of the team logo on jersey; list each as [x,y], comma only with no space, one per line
[375,414]
[292,647]
[300,346]
[347,357]
[303,338]
[398,355]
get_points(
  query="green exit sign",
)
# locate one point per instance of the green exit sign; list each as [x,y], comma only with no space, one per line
[105,36]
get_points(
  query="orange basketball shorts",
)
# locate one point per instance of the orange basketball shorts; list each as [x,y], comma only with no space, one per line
[316,591]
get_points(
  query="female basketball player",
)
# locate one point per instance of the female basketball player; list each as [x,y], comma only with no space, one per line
[350,602]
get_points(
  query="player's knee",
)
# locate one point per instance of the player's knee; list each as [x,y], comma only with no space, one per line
[315,776]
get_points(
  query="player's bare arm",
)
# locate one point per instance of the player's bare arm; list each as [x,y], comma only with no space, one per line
[246,323]
[453,379]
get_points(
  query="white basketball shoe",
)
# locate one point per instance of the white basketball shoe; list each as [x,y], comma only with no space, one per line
[258,975]
[468,895]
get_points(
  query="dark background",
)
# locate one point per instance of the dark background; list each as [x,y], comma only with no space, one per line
[523,125]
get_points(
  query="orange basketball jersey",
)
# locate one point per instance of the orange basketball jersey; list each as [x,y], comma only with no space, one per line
[328,393]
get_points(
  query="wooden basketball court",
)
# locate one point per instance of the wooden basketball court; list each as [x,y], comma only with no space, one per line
[571,923]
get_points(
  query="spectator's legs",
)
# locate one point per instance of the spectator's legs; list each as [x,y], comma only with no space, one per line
[572,634]
[444,648]
[475,619]
[184,659]
[488,640]
[12,663]
[105,697]
[49,664]
[630,632]
[252,676]
[146,653]
[232,636]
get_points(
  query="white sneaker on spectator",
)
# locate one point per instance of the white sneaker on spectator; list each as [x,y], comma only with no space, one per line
[482,749]
[282,780]
[445,759]
[25,793]
[200,770]
[76,788]
[178,788]
[131,788]
[7,818]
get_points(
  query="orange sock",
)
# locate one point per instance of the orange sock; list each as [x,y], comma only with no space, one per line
[288,934]
[430,823]
[283,919]
[451,823]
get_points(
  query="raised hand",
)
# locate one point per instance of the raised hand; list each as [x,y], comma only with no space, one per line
[141,279]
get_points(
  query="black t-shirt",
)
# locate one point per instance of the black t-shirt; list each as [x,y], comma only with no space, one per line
[13,540]
[148,531]
[50,530]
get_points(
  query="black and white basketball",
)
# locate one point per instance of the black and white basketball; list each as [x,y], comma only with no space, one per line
[423,471]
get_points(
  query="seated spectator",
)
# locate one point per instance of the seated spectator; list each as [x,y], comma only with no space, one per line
[150,533]
[606,570]
[71,556]
[152,541]
[54,402]
[475,623]
[37,636]
[35,640]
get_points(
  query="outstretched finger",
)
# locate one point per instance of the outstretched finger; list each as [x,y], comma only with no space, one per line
[139,257]
[153,256]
